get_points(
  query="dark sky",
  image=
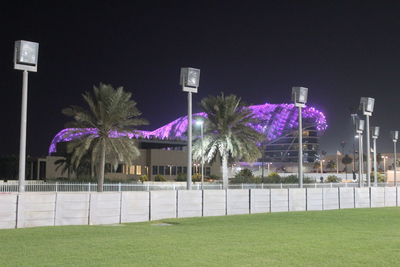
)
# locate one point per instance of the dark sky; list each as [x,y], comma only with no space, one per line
[340,50]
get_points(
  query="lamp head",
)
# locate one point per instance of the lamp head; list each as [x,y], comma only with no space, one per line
[299,96]
[367,105]
[394,135]
[26,55]
[375,132]
[190,78]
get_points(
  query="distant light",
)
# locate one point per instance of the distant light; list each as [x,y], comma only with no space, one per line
[375,132]
[199,122]
[395,135]
[367,105]
[190,77]
[26,55]
[299,95]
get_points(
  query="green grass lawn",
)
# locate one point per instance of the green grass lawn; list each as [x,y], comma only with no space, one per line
[327,238]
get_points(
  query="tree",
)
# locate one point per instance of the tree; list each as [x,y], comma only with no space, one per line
[331,165]
[228,132]
[111,116]
[346,160]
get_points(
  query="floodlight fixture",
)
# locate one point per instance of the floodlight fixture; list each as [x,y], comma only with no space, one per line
[394,135]
[26,55]
[190,78]
[375,132]
[367,105]
[359,126]
[299,96]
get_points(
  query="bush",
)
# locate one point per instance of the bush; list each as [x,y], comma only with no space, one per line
[291,179]
[159,178]
[143,178]
[332,179]
[272,178]
[245,176]
[181,177]
[196,177]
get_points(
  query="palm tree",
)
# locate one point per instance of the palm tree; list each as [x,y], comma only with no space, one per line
[331,165]
[228,132]
[110,111]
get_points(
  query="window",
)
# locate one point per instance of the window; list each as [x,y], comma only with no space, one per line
[132,169]
[208,171]
[155,170]
[161,170]
[167,170]
[184,171]
[173,170]
[138,170]
[179,170]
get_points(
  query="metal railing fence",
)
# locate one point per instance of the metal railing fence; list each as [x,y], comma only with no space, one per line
[41,186]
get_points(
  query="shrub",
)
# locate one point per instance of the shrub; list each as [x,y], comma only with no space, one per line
[381,177]
[332,179]
[143,178]
[291,179]
[245,176]
[196,177]
[181,177]
[272,178]
[159,178]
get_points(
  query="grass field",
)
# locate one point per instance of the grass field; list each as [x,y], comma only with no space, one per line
[327,238]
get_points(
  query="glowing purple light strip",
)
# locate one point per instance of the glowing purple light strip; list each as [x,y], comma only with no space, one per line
[275,119]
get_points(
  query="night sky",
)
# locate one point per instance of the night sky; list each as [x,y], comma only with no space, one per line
[340,50]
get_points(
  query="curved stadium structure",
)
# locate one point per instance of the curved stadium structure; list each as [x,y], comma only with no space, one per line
[278,122]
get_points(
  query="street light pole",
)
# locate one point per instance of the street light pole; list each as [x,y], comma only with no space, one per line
[299,96]
[189,81]
[359,130]
[375,135]
[395,136]
[26,59]
[367,107]
[201,124]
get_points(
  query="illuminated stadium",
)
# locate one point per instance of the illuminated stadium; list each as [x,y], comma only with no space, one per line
[278,122]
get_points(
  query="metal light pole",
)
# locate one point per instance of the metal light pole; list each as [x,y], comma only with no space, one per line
[25,58]
[375,135]
[359,130]
[189,81]
[201,124]
[299,96]
[384,163]
[395,136]
[367,107]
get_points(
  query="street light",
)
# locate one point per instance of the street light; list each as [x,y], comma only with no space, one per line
[375,135]
[367,107]
[395,136]
[25,59]
[201,124]
[359,130]
[299,96]
[189,81]
[384,163]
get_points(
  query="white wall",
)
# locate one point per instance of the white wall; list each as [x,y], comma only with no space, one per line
[314,199]
[190,203]
[361,197]
[260,200]
[377,197]
[72,209]
[162,204]
[331,198]
[238,201]
[297,199]
[279,200]
[8,210]
[105,208]
[346,198]
[390,196]
[135,206]
[214,202]
[36,209]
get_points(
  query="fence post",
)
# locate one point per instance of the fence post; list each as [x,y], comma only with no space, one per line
[89,187]
[56,186]
[148,187]
[315,185]
[281,185]
[119,187]
[331,185]
[242,185]
[262,186]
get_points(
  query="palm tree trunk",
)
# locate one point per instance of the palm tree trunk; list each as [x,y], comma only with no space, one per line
[225,171]
[101,167]
[92,167]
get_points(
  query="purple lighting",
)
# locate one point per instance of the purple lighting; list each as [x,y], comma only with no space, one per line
[275,120]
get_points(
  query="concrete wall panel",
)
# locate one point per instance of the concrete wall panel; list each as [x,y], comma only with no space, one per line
[361,197]
[8,210]
[314,198]
[36,209]
[238,201]
[72,209]
[260,200]
[377,197]
[105,208]
[346,198]
[214,203]
[190,203]
[135,206]
[297,199]
[163,205]
[390,196]
[331,199]
[279,200]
